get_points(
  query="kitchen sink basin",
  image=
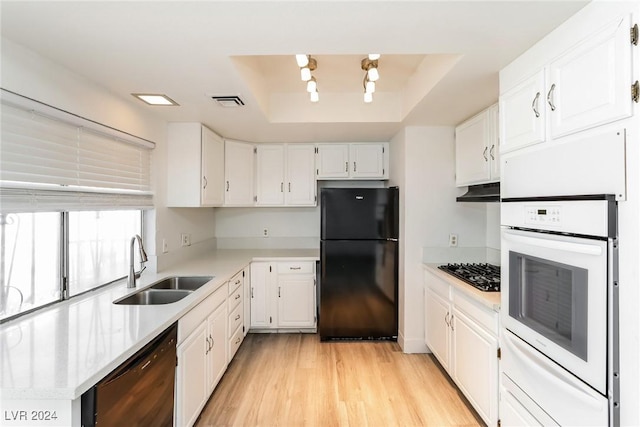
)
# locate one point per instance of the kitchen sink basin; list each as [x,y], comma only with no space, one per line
[189,283]
[154,297]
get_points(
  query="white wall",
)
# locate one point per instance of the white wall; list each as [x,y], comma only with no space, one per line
[29,74]
[423,166]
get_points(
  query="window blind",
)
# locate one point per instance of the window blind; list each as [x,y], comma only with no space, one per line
[54,160]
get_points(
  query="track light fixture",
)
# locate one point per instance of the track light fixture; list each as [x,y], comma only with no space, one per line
[370,66]
[307,64]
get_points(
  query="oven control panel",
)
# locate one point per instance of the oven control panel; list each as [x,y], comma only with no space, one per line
[543,214]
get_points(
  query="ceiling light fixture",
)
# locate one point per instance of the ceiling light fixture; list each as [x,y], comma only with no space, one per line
[370,65]
[155,99]
[307,64]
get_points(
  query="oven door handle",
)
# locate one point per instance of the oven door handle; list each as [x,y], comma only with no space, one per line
[579,248]
[524,353]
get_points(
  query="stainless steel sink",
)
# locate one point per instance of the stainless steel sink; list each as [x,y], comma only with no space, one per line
[154,297]
[189,283]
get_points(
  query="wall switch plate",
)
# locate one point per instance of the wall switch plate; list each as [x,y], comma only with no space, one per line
[185,239]
[265,232]
[165,246]
[453,240]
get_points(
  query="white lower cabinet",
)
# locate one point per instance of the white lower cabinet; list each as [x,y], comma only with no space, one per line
[202,355]
[463,335]
[283,295]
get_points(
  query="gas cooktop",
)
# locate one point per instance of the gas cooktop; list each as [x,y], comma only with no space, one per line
[485,277]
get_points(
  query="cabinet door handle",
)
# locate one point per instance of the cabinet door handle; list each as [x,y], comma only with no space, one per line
[282,187]
[227,185]
[208,346]
[289,187]
[484,154]
[446,319]
[237,317]
[550,97]
[451,322]
[491,151]
[212,342]
[252,292]
[534,104]
[354,166]
[278,291]
[204,178]
[346,166]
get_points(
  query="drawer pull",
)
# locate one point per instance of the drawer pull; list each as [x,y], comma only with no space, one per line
[237,296]
[238,282]
[237,317]
[295,268]
[238,340]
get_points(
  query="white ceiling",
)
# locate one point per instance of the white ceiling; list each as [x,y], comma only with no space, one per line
[439,64]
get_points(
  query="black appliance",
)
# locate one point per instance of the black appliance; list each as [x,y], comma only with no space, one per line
[485,277]
[359,263]
[140,392]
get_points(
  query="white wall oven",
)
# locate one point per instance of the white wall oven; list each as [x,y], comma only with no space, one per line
[559,308]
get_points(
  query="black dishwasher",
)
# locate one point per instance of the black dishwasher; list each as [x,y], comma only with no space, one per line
[140,391]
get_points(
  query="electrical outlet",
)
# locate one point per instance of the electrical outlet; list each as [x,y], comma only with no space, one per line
[453,240]
[185,239]
[265,232]
[165,246]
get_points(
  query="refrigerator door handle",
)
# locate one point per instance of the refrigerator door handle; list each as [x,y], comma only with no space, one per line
[392,240]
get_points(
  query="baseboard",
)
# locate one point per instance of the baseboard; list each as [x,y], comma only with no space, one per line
[412,345]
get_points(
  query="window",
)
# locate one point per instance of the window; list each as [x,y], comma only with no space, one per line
[71,197]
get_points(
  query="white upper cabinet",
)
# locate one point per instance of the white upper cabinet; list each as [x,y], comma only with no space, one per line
[270,175]
[353,161]
[195,166]
[285,175]
[300,181]
[239,173]
[477,149]
[587,86]
[522,114]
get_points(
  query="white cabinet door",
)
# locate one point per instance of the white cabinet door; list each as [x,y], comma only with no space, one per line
[522,114]
[437,334]
[296,301]
[332,161]
[493,142]
[191,376]
[474,365]
[270,175]
[239,173]
[261,283]
[217,354]
[589,85]
[472,153]
[300,182]
[367,160]
[212,169]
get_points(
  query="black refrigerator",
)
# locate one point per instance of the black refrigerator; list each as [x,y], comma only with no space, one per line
[358,264]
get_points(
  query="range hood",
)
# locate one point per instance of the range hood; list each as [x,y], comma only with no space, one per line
[481,193]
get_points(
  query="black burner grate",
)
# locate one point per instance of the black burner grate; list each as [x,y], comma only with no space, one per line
[485,277]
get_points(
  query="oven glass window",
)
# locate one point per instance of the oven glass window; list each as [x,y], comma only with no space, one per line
[550,298]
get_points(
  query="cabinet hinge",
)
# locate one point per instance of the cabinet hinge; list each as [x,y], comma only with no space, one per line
[315,198]
[317,171]
[270,319]
[499,353]
[242,273]
[65,288]
[269,269]
[255,150]
[499,423]
[635,91]
[382,171]
[634,35]
[255,198]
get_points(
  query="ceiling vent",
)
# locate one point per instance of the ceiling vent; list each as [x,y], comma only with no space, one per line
[228,101]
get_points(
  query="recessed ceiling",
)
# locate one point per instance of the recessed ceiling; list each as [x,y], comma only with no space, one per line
[439,64]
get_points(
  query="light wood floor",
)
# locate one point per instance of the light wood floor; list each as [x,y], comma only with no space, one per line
[295,380]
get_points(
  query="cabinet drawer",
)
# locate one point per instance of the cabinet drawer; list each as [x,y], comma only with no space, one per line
[235,298]
[437,285]
[235,319]
[484,316]
[234,343]
[199,313]
[304,267]
[235,282]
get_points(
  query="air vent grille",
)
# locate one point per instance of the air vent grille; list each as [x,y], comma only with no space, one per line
[228,101]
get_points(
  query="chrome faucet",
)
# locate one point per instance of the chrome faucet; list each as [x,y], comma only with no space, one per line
[133,275]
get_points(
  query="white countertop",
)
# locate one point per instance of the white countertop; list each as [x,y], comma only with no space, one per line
[61,351]
[488,299]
